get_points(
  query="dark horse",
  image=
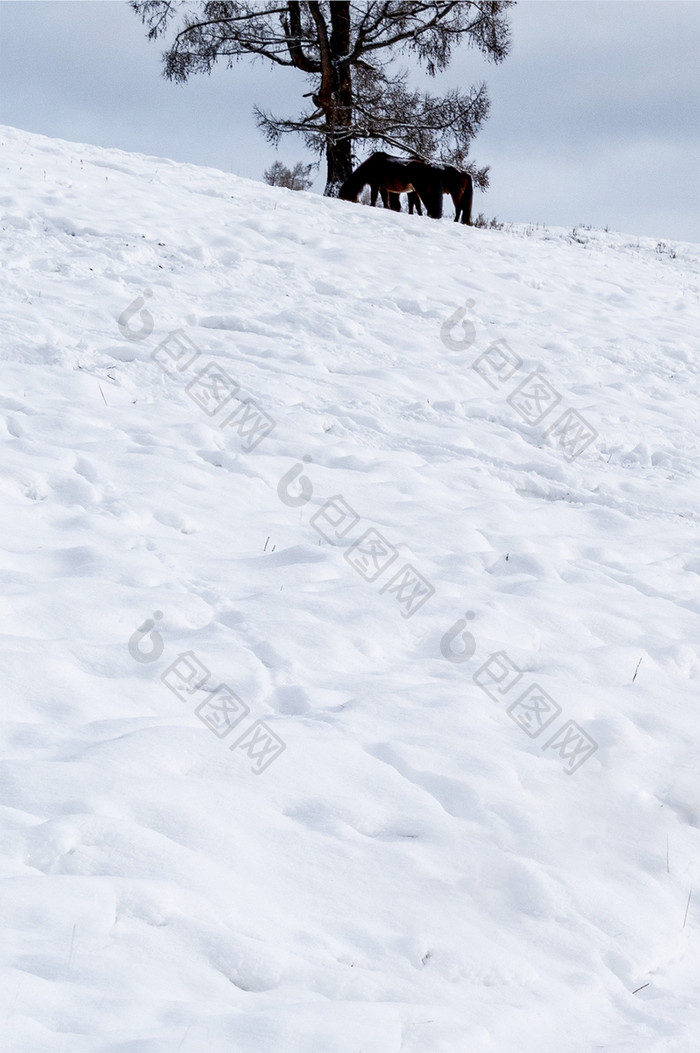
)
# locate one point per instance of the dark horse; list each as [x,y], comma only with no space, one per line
[458,185]
[397,175]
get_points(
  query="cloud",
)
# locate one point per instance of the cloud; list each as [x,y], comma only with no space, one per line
[595,117]
[594,114]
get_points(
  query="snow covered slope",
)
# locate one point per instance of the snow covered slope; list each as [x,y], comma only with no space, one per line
[349,706]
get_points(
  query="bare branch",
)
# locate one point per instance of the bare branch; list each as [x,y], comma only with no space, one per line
[348,54]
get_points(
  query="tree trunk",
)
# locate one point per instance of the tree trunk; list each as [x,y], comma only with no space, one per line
[339,111]
[339,164]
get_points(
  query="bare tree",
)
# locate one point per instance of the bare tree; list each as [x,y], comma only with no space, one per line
[297,178]
[347,52]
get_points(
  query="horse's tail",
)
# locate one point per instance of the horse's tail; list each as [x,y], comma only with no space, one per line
[466,202]
[353,185]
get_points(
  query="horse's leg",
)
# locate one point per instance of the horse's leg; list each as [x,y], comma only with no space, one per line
[395,202]
[466,203]
[374,189]
[439,191]
[385,196]
[414,203]
[432,194]
[456,201]
[424,196]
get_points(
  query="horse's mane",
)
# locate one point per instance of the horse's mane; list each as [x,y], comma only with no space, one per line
[351,188]
[395,175]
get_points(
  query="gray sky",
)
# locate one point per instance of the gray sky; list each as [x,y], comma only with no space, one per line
[594,119]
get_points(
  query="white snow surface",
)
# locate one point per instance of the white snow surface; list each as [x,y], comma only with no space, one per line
[416,871]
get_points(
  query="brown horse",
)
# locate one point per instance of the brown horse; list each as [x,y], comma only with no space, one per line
[458,185]
[397,175]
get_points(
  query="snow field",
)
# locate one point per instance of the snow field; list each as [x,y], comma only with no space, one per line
[414,872]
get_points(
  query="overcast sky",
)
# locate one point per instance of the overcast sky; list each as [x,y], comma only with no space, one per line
[594,119]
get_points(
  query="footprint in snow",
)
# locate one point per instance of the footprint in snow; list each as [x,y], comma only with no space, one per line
[178,522]
[293,700]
